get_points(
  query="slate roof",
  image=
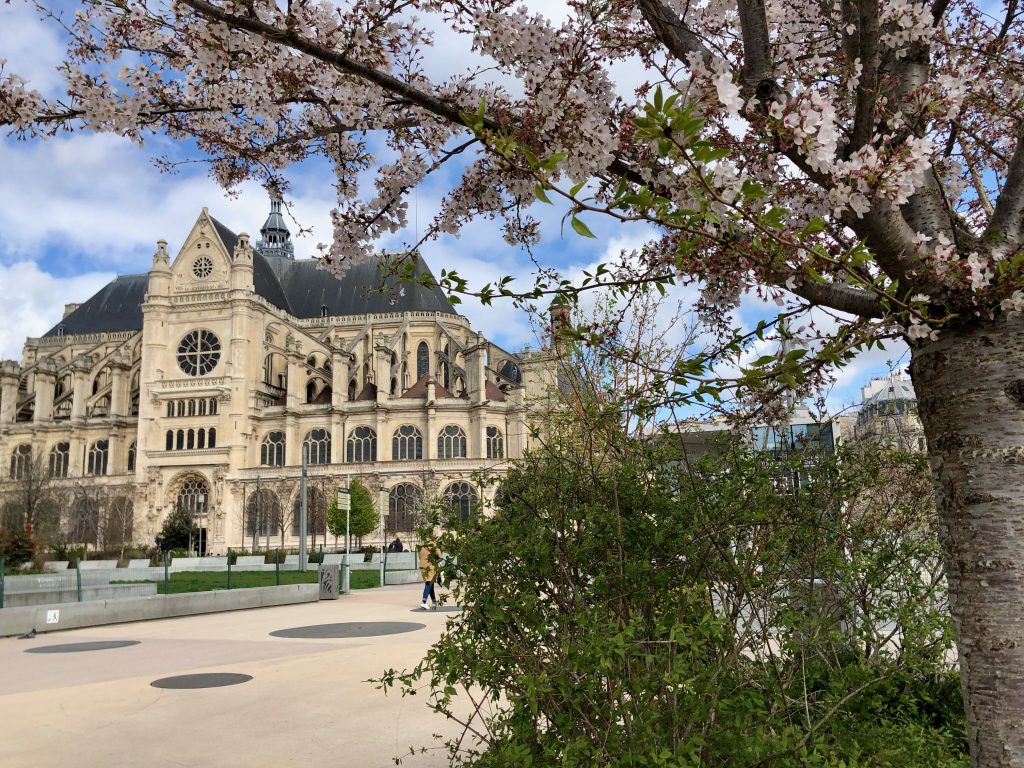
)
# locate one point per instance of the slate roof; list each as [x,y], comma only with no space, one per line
[895,389]
[299,287]
[308,289]
[115,307]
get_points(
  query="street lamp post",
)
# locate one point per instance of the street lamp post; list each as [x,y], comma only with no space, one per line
[345,502]
[383,500]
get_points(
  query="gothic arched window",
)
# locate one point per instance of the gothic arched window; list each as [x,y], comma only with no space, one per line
[451,443]
[316,511]
[422,360]
[272,450]
[405,501]
[131,457]
[495,444]
[60,456]
[262,513]
[407,444]
[362,446]
[21,459]
[317,446]
[194,496]
[99,453]
[461,498]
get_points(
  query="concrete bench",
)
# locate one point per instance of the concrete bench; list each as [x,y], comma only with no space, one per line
[402,561]
[138,563]
[56,565]
[245,560]
[200,563]
[95,565]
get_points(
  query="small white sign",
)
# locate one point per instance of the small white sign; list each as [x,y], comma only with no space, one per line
[52,617]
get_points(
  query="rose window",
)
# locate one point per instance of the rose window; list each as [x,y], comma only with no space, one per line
[198,353]
[202,267]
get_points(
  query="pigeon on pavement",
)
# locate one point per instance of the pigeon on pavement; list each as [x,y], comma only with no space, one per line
[28,635]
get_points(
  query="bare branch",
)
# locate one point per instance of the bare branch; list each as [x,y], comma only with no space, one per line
[672,31]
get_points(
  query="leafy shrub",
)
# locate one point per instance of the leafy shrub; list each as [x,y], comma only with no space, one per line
[16,547]
[626,608]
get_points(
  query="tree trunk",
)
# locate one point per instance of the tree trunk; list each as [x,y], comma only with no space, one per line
[970,390]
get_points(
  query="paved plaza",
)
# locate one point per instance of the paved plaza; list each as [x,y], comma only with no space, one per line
[305,704]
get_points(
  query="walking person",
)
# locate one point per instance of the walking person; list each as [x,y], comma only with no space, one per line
[429,556]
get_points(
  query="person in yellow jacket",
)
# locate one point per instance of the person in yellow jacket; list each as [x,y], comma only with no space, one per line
[430,557]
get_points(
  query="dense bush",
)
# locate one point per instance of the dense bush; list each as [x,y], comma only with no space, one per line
[626,607]
[16,547]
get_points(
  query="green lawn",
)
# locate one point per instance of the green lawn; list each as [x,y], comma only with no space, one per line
[204,582]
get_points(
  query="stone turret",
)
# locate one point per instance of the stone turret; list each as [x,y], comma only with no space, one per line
[160,273]
[241,264]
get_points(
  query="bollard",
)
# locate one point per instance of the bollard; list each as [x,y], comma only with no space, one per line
[277,567]
[1,582]
[167,577]
[345,576]
[78,576]
[229,567]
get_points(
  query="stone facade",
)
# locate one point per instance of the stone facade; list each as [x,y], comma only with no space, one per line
[202,383]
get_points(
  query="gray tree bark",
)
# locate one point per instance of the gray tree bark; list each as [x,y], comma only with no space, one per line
[970,393]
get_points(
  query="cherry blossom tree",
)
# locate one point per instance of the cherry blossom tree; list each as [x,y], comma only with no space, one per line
[858,159]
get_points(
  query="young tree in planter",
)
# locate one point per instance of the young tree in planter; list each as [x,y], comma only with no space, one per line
[859,158]
[176,532]
[365,518]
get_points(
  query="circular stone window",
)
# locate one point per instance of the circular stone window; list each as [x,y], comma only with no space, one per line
[202,267]
[198,353]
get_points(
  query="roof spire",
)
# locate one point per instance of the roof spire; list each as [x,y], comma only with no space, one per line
[275,239]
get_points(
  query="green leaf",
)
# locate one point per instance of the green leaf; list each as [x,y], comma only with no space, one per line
[582,229]
[540,194]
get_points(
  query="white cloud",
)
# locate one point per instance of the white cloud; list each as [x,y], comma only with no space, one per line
[34,301]
[98,196]
[32,47]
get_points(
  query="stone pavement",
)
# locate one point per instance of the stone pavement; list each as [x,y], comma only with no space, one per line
[306,703]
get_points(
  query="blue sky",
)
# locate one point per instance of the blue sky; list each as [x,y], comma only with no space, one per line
[79,209]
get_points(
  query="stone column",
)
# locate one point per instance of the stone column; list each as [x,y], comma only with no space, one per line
[292,442]
[476,374]
[81,367]
[119,366]
[46,378]
[430,439]
[477,447]
[339,377]
[382,369]
[296,381]
[10,375]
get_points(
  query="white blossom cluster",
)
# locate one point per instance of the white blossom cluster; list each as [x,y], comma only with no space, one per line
[344,81]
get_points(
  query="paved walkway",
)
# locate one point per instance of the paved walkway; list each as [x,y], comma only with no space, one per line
[306,704]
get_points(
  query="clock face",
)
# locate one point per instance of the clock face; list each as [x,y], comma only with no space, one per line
[202,268]
[198,353]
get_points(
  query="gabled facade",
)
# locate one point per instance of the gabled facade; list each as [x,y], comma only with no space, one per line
[202,383]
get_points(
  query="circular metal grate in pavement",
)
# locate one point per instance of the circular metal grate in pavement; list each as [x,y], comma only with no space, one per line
[349,629]
[99,645]
[201,680]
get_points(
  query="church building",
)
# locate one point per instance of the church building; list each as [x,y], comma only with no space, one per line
[201,384]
